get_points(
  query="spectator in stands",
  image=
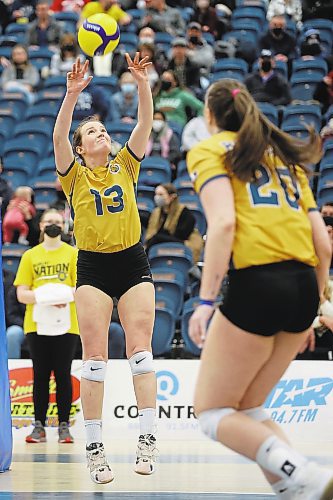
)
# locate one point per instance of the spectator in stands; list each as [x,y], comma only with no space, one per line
[291,9]
[20,75]
[14,315]
[63,61]
[19,210]
[194,131]
[44,31]
[266,84]
[174,101]
[326,210]
[92,101]
[124,104]
[22,11]
[148,35]
[311,45]
[6,192]
[327,131]
[148,50]
[200,52]
[160,17]
[162,141]
[318,9]
[171,221]
[278,40]
[110,7]
[5,17]
[187,72]
[324,92]
[45,281]
[207,17]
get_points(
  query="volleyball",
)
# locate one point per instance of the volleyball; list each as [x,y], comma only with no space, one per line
[98,35]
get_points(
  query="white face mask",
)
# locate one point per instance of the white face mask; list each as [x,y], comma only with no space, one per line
[159,200]
[158,125]
[147,39]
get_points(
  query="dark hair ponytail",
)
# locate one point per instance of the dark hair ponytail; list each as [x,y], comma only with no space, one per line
[234,109]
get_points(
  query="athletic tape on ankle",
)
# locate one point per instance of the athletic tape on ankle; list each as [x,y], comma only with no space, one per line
[141,362]
[258,413]
[94,370]
[209,420]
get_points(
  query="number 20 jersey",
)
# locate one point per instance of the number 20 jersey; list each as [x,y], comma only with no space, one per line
[272,224]
[103,203]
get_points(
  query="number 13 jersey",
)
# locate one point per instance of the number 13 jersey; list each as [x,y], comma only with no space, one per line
[272,224]
[103,203]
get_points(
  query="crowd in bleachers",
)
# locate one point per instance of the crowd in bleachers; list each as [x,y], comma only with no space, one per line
[281,50]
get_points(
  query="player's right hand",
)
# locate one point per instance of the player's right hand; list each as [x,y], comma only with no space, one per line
[77,79]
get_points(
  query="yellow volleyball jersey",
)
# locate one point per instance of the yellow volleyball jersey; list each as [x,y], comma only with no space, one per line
[92,8]
[103,203]
[38,267]
[271,214]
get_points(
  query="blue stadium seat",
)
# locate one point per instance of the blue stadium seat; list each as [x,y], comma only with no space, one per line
[325,26]
[108,83]
[10,263]
[171,284]
[129,41]
[15,101]
[49,95]
[19,155]
[15,177]
[39,139]
[55,82]
[231,63]
[249,25]
[209,37]
[325,195]
[172,255]
[136,14]
[119,131]
[310,66]
[270,111]
[50,108]
[33,127]
[182,168]
[163,37]
[46,165]
[145,207]
[14,28]
[164,330]
[298,131]
[177,129]
[193,204]
[145,191]
[252,12]
[302,87]
[40,57]
[298,114]
[44,121]
[44,179]
[189,308]
[184,186]
[67,20]
[220,75]
[155,170]
[244,36]
[45,194]
[6,52]
[8,40]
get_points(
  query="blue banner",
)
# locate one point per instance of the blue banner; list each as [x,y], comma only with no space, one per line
[6,438]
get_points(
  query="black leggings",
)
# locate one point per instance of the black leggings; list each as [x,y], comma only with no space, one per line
[47,354]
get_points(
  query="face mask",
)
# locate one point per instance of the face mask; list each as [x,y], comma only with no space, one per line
[277,31]
[165,85]
[128,88]
[147,39]
[313,49]
[158,125]
[159,201]
[52,230]
[266,66]
[194,39]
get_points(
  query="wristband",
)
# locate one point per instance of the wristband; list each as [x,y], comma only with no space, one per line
[204,302]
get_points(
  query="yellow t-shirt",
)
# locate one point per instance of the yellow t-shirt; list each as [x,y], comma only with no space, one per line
[103,203]
[271,214]
[92,8]
[38,267]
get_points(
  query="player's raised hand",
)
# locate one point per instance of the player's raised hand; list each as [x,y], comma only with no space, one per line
[138,67]
[77,79]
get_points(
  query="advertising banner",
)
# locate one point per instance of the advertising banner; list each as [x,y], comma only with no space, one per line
[302,401]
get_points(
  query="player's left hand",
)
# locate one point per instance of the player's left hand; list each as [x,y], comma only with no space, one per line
[198,324]
[309,342]
[138,68]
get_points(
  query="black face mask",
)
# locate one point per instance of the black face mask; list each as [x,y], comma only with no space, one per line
[194,39]
[52,230]
[277,31]
[266,66]
[313,49]
[165,85]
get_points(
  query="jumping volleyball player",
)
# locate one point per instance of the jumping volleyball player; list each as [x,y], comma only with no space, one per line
[261,213]
[111,259]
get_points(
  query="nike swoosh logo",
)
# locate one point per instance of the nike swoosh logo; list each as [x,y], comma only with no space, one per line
[282,491]
[139,360]
[94,369]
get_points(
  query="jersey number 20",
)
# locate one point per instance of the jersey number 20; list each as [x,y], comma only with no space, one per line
[288,184]
[117,199]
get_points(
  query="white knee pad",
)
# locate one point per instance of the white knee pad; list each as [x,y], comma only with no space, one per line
[141,362]
[210,419]
[94,370]
[258,413]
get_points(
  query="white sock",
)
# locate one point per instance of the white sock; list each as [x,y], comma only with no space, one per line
[280,488]
[147,418]
[93,431]
[278,458]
